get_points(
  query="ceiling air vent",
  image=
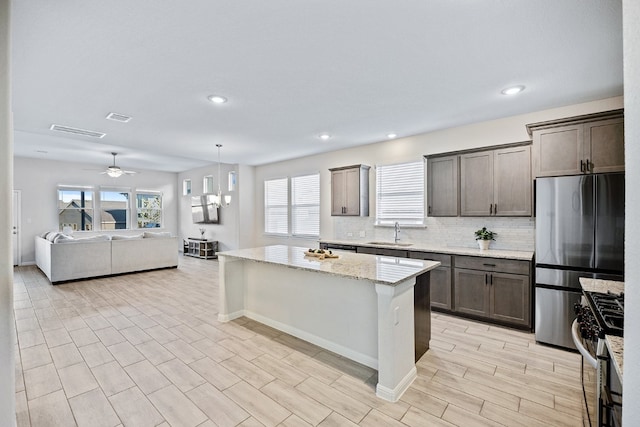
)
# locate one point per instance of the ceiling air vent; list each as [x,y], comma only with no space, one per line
[118,117]
[77,131]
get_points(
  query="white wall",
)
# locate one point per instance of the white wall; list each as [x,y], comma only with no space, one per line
[7,330]
[514,233]
[631,41]
[38,180]
[227,232]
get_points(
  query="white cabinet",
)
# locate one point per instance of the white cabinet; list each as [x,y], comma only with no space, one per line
[350,191]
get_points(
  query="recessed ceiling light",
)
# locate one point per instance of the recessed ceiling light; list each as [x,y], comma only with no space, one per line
[512,90]
[391,135]
[217,99]
[324,136]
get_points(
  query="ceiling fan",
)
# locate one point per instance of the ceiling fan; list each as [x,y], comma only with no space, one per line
[114,171]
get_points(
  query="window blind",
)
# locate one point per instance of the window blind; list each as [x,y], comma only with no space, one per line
[305,205]
[276,206]
[400,193]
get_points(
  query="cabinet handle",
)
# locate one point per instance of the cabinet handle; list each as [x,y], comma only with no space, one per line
[582,166]
[589,166]
[489,265]
[495,209]
[486,280]
[491,209]
[429,210]
[491,279]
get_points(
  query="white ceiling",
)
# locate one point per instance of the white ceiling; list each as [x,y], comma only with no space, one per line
[356,69]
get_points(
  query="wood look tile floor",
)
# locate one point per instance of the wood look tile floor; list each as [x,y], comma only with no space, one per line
[147,350]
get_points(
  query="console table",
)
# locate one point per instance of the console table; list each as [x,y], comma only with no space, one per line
[200,248]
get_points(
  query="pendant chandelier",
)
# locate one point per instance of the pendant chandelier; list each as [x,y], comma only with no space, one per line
[217,198]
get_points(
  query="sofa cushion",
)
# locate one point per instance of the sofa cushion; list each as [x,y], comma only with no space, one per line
[154,234]
[120,237]
[68,239]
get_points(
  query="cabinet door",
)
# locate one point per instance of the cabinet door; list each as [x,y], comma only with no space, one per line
[442,186]
[509,298]
[352,191]
[441,287]
[558,151]
[476,184]
[512,182]
[471,292]
[337,192]
[604,141]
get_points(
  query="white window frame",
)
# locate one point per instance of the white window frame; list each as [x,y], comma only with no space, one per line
[137,210]
[128,210]
[93,209]
[291,206]
[268,206]
[396,184]
[294,204]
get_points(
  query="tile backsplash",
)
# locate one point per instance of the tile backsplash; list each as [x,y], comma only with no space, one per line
[516,234]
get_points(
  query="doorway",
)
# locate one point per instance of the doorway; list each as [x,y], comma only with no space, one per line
[15,224]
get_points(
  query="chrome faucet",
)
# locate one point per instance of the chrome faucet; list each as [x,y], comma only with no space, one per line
[396,231]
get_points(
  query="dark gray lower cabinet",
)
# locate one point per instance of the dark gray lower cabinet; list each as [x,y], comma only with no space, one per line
[504,297]
[492,289]
[440,278]
[472,292]
[382,251]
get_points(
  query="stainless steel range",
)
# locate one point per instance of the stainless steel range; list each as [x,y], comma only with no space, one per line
[600,314]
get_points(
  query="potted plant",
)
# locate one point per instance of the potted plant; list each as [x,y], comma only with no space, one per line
[484,237]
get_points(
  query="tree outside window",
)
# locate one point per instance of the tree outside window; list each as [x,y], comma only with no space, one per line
[149,210]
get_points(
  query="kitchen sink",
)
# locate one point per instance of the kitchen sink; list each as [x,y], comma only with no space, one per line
[390,243]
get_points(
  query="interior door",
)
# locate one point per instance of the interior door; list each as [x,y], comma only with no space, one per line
[15,227]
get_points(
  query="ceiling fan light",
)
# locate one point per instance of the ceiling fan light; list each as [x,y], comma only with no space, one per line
[114,172]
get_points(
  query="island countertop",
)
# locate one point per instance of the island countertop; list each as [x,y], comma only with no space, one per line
[380,269]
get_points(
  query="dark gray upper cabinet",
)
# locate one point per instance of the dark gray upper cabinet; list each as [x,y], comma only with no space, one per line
[350,191]
[592,143]
[496,182]
[442,186]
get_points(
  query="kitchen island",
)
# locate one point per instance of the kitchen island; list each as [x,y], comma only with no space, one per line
[359,306]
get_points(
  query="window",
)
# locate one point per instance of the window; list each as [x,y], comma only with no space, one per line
[149,209]
[276,210]
[302,207]
[400,194]
[305,205]
[207,184]
[75,209]
[114,210]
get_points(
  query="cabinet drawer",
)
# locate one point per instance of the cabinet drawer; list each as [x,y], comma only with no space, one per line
[444,259]
[382,251]
[493,264]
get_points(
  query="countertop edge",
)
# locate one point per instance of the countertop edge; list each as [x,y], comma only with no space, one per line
[430,265]
[417,247]
[602,286]
[616,350]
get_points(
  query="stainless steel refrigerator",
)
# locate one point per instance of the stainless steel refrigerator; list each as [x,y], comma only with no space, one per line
[579,233]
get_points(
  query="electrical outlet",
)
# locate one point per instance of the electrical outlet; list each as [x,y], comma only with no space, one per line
[363,233]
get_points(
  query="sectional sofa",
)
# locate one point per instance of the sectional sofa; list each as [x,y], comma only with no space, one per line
[62,258]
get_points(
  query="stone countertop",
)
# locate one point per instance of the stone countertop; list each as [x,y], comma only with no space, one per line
[616,350]
[379,269]
[426,247]
[602,286]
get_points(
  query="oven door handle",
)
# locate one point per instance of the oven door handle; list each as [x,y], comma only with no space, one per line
[577,340]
